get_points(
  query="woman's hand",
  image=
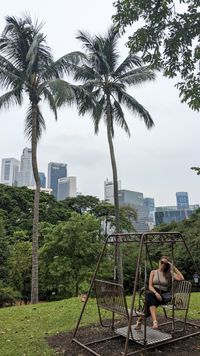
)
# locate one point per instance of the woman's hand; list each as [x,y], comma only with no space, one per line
[158,296]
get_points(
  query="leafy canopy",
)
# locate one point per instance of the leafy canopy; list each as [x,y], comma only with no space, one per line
[167,36]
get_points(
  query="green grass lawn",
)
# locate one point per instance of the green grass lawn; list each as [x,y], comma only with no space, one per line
[23,328]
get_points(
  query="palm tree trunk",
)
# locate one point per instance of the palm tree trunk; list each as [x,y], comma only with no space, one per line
[115,185]
[34,283]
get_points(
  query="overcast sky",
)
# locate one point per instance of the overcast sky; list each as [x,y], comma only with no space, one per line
[155,162]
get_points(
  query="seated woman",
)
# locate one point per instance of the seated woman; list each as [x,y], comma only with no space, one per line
[159,282]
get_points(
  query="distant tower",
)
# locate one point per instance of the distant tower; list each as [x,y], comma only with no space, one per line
[66,188]
[42,180]
[9,171]
[109,190]
[25,176]
[56,171]
[182,200]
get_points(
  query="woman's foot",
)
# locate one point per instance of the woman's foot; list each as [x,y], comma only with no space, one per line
[155,324]
[138,325]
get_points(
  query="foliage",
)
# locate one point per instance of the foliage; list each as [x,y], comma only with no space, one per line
[4,254]
[190,228]
[167,35]
[81,203]
[69,255]
[8,296]
[16,206]
[20,267]
[196,169]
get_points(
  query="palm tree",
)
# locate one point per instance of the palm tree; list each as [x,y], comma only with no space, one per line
[104,84]
[27,68]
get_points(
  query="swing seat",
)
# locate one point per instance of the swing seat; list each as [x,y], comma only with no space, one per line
[110,296]
[182,291]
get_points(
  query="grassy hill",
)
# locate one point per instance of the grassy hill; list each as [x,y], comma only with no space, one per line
[24,329]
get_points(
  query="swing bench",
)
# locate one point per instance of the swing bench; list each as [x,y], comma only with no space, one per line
[181,299]
[110,296]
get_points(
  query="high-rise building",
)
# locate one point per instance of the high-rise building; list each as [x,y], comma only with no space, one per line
[42,180]
[56,171]
[150,206]
[9,171]
[135,200]
[109,190]
[167,214]
[182,200]
[66,188]
[25,176]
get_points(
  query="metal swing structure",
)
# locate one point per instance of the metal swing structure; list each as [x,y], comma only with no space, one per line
[110,296]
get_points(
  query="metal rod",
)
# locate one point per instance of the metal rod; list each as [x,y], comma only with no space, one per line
[145,296]
[172,252]
[101,340]
[161,343]
[134,293]
[91,285]
[85,347]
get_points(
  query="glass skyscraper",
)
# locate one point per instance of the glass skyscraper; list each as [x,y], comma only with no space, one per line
[182,200]
[9,171]
[25,176]
[56,171]
[42,180]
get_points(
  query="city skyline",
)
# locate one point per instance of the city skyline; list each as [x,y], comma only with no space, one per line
[155,162]
[107,185]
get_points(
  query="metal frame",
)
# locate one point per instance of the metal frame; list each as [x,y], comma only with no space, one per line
[144,240]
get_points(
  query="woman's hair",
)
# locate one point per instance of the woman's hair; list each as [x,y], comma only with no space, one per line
[167,268]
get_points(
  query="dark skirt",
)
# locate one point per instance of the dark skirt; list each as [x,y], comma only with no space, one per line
[152,301]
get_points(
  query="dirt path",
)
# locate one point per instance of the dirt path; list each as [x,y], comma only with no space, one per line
[63,345]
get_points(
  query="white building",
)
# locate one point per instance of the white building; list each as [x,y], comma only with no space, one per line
[67,187]
[9,171]
[109,190]
[25,176]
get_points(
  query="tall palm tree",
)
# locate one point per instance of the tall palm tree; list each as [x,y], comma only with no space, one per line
[105,83]
[27,68]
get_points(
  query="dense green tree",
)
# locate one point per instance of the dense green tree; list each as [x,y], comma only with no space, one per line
[16,207]
[69,255]
[19,265]
[190,229]
[167,35]
[81,203]
[104,91]
[4,254]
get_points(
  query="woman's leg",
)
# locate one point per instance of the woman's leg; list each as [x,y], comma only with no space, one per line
[153,312]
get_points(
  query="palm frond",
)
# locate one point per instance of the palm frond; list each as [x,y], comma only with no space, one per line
[50,99]
[64,65]
[98,110]
[129,63]
[118,117]
[40,123]
[137,76]
[13,97]
[9,75]
[86,39]
[62,91]
[134,106]
[85,73]
[110,48]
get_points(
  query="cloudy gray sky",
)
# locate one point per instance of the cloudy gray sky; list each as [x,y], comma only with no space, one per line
[156,162]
